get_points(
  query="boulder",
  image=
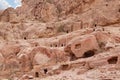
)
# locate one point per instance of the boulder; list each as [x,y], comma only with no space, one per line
[83,46]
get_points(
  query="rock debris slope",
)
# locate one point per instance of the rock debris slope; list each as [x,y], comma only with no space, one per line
[61,40]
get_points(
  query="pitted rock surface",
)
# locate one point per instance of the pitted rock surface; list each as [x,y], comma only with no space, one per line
[60,40]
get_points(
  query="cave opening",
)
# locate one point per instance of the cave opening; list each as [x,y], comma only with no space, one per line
[36,74]
[62,45]
[67,31]
[45,71]
[95,25]
[56,45]
[113,60]
[25,38]
[89,53]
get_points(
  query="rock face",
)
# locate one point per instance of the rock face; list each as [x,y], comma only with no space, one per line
[61,40]
[81,45]
[47,12]
[9,15]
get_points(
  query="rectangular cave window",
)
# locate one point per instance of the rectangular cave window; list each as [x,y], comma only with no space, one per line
[62,45]
[45,71]
[36,74]
[56,45]
[113,60]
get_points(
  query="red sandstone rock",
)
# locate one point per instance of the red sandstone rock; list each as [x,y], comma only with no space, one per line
[9,15]
[61,39]
[10,50]
[80,45]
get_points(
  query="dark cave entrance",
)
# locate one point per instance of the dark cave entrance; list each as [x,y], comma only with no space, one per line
[89,53]
[113,60]
[36,74]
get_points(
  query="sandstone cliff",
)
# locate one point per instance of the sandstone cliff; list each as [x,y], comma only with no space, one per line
[61,40]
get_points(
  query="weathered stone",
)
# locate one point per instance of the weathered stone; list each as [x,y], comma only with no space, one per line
[9,15]
[61,40]
[9,51]
[45,11]
[81,45]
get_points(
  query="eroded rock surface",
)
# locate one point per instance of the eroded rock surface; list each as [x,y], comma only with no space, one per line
[61,40]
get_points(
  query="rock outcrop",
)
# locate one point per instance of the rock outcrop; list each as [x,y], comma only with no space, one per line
[9,15]
[61,40]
